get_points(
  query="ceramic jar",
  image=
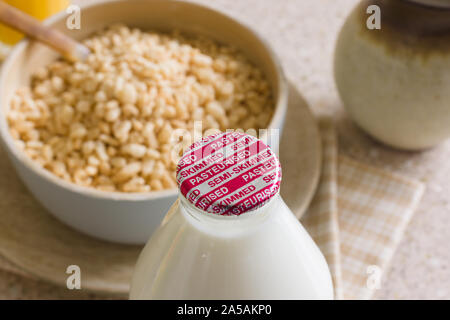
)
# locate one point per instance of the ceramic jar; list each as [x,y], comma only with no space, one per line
[395,81]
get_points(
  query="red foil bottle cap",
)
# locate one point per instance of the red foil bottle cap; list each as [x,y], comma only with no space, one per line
[229,174]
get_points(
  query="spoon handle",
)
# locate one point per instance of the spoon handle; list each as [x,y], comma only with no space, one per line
[33,28]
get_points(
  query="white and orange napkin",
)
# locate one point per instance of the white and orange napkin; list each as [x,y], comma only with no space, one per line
[357,218]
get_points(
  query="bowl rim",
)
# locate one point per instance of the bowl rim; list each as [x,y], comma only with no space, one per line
[9,143]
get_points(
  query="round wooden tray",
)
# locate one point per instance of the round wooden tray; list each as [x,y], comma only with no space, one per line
[34,243]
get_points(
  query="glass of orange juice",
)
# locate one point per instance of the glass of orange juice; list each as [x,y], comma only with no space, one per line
[40,9]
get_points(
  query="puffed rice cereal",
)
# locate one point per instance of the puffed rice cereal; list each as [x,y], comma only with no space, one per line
[108,123]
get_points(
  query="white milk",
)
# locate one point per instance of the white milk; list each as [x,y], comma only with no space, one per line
[267,255]
[230,235]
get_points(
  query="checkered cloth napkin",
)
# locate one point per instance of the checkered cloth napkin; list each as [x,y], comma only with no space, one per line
[357,218]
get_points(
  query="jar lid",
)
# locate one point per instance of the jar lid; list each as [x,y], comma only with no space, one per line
[229,174]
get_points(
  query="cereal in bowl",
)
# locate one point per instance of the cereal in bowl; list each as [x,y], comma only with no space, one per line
[108,123]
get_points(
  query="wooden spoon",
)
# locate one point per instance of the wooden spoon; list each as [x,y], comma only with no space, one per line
[16,19]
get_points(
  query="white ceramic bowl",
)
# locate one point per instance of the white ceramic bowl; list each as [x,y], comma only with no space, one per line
[114,216]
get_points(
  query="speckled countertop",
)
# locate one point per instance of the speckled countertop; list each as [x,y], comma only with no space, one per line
[303,34]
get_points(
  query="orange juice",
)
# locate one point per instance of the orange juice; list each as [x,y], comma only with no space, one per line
[39,9]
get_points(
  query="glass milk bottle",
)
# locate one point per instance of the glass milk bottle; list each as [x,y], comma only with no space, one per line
[230,235]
